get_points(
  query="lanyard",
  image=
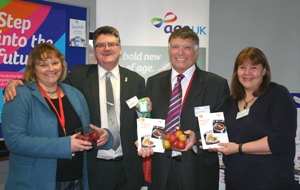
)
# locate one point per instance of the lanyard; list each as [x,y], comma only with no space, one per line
[188,89]
[60,115]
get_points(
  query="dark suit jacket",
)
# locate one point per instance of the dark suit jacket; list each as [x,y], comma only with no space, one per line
[201,170]
[85,78]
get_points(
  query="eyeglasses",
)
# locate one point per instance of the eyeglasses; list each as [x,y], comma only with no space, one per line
[109,44]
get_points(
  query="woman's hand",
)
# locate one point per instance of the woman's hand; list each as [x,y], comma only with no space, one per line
[226,148]
[103,135]
[79,145]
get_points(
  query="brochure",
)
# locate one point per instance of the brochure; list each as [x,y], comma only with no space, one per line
[213,129]
[151,133]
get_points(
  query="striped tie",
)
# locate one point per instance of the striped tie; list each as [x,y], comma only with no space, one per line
[173,118]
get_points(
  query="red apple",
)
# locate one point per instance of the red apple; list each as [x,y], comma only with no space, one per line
[181,144]
[175,144]
[167,136]
[172,138]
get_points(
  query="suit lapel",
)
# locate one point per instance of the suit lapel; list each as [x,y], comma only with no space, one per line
[195,89]
[165,87]
[94,81]
[125,87]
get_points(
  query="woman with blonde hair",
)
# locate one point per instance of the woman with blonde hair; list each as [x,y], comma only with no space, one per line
[39,127]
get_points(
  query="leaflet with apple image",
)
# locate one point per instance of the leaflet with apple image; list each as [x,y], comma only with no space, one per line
[213,129]
[151,133]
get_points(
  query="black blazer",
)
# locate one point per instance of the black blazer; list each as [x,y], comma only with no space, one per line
[201,170]
[85,78]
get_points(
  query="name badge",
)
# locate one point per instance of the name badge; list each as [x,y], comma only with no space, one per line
[132,102]
[201,109]
[242,113]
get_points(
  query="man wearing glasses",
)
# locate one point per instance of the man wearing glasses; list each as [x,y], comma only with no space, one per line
[119,167]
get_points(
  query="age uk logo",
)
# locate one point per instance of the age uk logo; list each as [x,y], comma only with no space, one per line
[169,18]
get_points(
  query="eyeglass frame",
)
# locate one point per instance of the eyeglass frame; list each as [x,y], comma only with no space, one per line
[107,44]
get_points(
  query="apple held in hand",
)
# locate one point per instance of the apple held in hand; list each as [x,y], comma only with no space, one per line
[182,137]
[172,138]
[166,144]
[174,144]
[175,140]
[178,133]
[181,145]
[167,136]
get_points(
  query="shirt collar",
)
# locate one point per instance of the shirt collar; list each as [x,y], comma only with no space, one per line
[187,74]
[102,72]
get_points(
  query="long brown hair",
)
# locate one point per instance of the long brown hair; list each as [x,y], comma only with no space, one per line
[256,56]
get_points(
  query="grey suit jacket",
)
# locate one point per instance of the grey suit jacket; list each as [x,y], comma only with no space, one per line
[85,78]
[201,170]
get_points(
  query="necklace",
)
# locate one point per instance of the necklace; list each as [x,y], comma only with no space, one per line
[51,92]
[246,103]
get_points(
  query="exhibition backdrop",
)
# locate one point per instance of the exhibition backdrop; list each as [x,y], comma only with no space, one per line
[145,27]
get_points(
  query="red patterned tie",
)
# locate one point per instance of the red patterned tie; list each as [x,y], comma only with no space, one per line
[173,118]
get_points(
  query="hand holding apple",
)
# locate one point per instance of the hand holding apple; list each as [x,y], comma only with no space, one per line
[175,140]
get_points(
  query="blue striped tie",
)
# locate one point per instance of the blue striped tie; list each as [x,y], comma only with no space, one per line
[173,118]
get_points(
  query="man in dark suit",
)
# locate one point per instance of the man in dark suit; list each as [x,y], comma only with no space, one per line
[119,168]
[190,168]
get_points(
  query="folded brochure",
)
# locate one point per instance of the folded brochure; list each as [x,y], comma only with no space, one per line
[213,129]
[151,133]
